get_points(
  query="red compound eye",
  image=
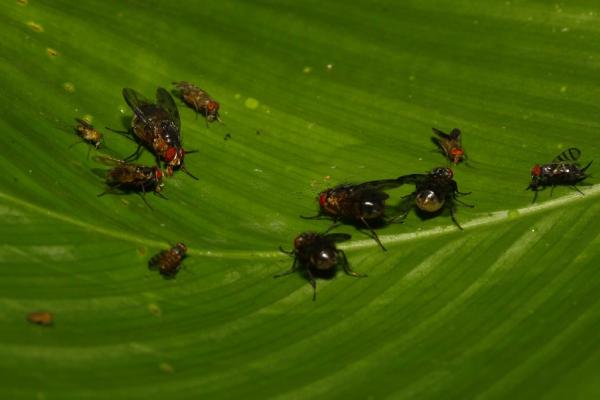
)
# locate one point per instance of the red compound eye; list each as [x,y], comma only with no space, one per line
[536,170]
[212,105]
[170,154]
[323,199]
[457,152]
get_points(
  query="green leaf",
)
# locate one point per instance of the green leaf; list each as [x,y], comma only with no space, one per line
[312,94]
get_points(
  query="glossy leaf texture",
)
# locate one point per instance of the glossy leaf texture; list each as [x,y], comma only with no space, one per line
[312,94]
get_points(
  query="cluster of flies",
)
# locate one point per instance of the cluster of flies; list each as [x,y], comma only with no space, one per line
[363,205]
[156,127]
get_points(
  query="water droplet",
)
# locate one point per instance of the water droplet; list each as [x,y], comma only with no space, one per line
[307,70]
[329,66]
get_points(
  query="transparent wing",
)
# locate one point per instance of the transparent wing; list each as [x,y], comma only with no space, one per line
[337,237]
[412,178]
[165,100]
[455,134]
[570,154]
[136,101]
[84,123]
[383,184]
[441,134]
[107,160]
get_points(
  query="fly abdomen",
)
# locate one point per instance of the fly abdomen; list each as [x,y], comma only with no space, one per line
[428,200]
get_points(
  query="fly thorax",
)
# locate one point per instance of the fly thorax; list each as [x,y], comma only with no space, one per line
[159,144]
[428,200]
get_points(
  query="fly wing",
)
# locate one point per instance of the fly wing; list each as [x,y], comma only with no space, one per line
[136,101]
[337,237]
[107,160]
[570,154]
[383,184]
[165,100]
[412,178]
[442,134]
[455,135]
[84,123]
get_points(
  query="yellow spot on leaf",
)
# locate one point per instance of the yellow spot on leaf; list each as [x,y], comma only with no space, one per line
[154,309]
[251,103]
[166,368]
[34,26]
[51,52]
[69,87]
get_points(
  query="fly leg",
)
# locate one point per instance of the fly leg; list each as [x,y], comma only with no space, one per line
[143,196]
[577,189]
[373,234]
[454,219]
[318,216]
[136,154]
[333,226]
[162,196]
[291,252]
[535,195]
[313,283]
[346,266]
[197,108]
[290,271]
[184,169]
[405,206]
[463,203]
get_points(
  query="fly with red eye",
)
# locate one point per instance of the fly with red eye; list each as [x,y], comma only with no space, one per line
[127,177]
[362,205]
[433,193]
[168,262]
[450,144]
[157,127]
[198,99]
[563,170]
[316,255]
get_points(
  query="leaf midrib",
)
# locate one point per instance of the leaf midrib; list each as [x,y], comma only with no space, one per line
[490,219]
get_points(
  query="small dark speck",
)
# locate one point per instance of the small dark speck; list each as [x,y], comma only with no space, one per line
[227,137]
[258,132]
